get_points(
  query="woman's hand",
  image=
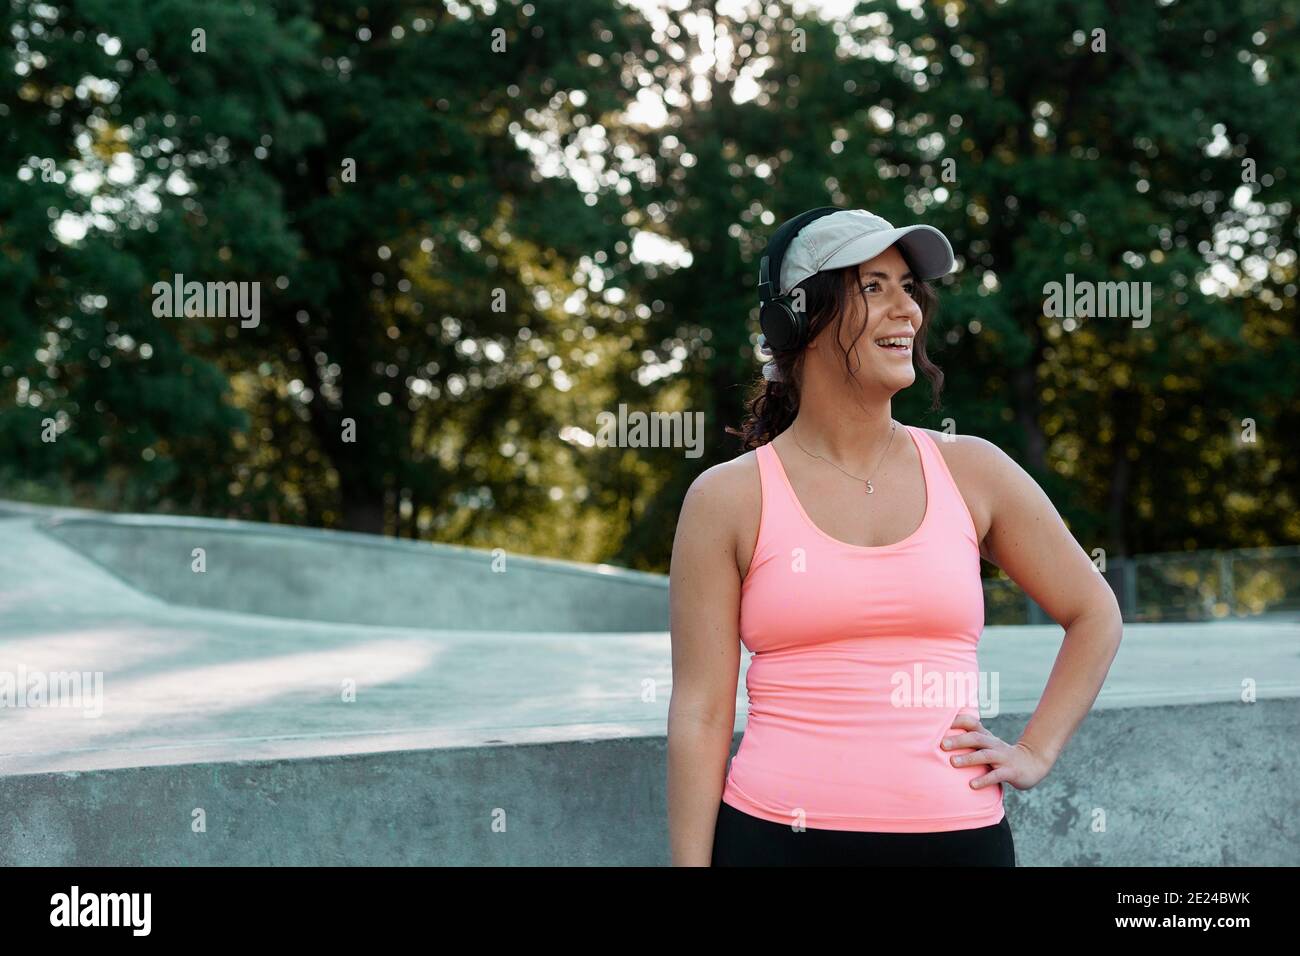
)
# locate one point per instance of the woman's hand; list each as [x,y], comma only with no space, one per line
[1015,764]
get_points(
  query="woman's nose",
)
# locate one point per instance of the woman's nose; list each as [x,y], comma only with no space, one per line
[904,306]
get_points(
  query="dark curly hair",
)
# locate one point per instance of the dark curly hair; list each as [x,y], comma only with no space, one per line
[771,406]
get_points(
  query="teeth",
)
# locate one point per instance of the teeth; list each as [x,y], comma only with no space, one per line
[896,340]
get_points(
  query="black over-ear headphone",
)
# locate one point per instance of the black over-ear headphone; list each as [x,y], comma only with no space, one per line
[784,327]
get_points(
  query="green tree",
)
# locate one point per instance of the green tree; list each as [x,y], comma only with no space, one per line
[1039,153]
[370,167]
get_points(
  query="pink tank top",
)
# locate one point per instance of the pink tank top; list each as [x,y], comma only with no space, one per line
[862,657]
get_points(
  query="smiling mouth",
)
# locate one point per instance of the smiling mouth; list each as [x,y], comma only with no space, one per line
[899,343]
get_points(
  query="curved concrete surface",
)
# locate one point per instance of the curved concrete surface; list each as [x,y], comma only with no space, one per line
[301,741]
[344,578]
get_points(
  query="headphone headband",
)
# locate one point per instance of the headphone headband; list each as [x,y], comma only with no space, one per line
[769,267]
[783,326]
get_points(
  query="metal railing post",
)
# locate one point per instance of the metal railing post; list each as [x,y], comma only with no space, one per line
[1226,585]
[1129,608]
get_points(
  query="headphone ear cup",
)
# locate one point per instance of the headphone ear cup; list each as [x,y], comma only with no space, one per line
[799,322]
[782,327]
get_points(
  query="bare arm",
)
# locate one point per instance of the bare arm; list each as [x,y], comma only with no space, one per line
[704,595]
[1028,540]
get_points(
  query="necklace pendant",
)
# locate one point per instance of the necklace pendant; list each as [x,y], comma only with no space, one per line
[870,490]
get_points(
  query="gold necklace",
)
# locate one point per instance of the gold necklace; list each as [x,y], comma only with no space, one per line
[893,426]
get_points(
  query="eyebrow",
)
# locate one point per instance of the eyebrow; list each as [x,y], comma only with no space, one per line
[882,275]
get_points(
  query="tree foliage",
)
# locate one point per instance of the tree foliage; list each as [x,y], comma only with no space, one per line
[442,206]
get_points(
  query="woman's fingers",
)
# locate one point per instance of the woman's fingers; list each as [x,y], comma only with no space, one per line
[994,777]
[973,739]
[993,751]
[1011,764]
[988,755]
[969,721]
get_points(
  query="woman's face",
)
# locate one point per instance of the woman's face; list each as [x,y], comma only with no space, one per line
[882,298]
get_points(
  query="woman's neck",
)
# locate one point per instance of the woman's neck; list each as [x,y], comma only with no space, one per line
[854,438]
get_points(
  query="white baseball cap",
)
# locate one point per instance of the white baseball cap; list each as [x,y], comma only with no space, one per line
[852,236]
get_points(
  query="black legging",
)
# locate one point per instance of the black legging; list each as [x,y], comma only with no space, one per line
[743,840]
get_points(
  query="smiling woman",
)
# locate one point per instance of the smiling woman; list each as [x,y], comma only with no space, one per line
[853,561]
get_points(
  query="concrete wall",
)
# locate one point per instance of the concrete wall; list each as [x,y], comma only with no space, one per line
[348,578]
[240,715]
[1207,784]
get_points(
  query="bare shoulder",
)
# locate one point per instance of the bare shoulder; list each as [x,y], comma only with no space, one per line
[723,504]
[966,450]
[726,490]
[977,466]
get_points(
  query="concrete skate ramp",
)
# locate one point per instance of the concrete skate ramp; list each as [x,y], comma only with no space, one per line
[313,575]
[302,741]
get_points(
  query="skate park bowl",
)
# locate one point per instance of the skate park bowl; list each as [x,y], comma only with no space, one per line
[233,693]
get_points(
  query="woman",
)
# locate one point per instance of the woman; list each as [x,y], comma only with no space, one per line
[843,551]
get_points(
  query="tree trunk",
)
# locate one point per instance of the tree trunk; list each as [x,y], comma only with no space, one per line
[363,506]
[1025,384]
[1125,411]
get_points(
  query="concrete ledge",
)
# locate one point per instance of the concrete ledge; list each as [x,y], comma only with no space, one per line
[1191,785]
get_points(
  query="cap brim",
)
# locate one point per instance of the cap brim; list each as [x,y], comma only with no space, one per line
[926,247]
